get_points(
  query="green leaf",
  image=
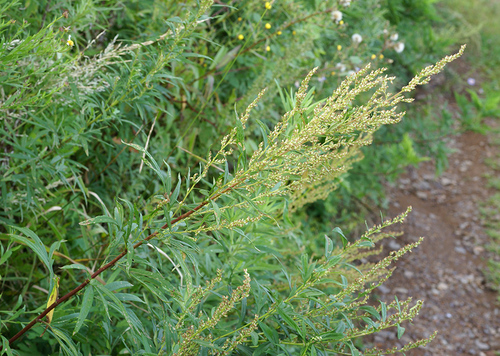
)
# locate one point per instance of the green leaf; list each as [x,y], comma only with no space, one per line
[99,220]
[217,212]
[205,343]
[290,322]
[328,247]
[64,340]
[401,331]
[255,338]
[264,130]
[383,311]
[177,190]
[240,131]
[345,242]
[114,286]
[36,245]
[88,298]
[270,333]
[75,266]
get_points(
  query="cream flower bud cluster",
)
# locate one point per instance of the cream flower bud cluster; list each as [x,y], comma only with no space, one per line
[356,38]
[398,46]
[336,16]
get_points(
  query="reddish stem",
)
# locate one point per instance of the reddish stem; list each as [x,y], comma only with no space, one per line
[111,264]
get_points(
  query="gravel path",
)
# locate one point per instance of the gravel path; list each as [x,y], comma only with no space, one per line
[446,270]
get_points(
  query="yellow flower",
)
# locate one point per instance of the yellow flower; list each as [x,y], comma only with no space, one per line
[268,26]
[341,22]
[373,56]
[294,33]
[69,42]
[339,47]
[333,73]
[239,19]
[268,5]
[268,48]
[241,37]
[381,56]
[279,33]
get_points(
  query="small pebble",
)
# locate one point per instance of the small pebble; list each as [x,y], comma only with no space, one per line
[482,345]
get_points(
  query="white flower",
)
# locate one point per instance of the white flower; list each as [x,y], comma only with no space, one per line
[336,16]
[345,2]
[356,38]
[12,44]
[340,67]
[297,84]
[394,37]
[399,47]
[351,72]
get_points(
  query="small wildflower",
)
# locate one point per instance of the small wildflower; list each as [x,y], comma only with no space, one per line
[268,48]
[69,42]
[341,22]
[381,56]
[268,26]
[333,73]
[340,67]
[240,19]
[351,72]
[356,38]
[294,32]
[336,16]
[241,37]
[278,33]
[321,79]
[471,81]
[345,3]
[297,84]
[268,5]
[65,14]
[373,56]
[339,48]
[399,47]
[394,37]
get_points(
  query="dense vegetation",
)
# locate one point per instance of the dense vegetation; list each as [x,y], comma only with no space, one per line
[179,207]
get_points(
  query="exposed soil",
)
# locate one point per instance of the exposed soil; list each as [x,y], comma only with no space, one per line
[446,270]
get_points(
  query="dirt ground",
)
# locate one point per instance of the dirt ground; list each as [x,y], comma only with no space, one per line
[446,270]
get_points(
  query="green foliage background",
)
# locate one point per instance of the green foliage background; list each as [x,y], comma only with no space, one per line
[116,126]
